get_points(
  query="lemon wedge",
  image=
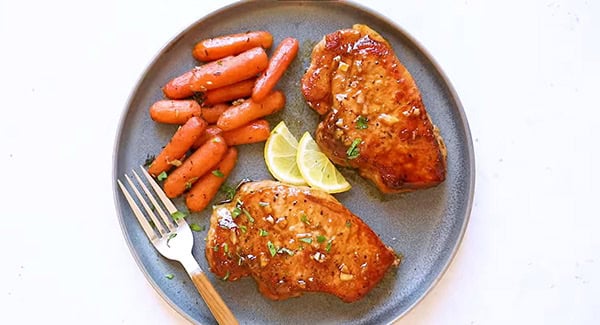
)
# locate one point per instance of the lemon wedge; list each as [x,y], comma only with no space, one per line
[316,169]
[280,155]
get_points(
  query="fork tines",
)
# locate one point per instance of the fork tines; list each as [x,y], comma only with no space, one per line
[153,225]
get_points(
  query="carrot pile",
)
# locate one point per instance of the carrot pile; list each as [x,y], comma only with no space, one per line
[236,86]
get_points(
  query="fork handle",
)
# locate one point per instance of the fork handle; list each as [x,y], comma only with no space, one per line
[211,297]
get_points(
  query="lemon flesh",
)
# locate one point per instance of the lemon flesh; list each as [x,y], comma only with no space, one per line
[316,169]
[280,156]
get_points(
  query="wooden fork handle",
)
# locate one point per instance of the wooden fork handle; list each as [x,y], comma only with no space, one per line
[211,297]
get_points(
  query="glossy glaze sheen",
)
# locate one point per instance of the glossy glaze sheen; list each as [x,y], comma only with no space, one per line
[374,119]
[425,226]
[294,239]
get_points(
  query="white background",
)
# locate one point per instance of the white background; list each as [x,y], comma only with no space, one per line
[527,73]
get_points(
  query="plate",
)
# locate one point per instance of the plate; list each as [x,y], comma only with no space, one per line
[425,226]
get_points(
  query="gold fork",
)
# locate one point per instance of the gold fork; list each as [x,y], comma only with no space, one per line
[173,239]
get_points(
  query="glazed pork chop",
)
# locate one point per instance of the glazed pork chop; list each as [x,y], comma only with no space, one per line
[295,239]
[372,115]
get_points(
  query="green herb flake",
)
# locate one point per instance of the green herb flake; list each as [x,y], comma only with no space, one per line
[250,219]
[149,160]
[321,239]
[244,229]
[307,240]
[225,248]
[286,250]
[196,227]
[216,248]
[361,123]
[162,176]
[170,276]
[218,173]
[348,224]
[271,248]
[304,219]
[178,215]
[229,191]
[328,247]
[171,236]
[263,233]
[236,212]
[226,276]
[354,151]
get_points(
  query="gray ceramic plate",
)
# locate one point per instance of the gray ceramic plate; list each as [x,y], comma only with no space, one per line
[425,226]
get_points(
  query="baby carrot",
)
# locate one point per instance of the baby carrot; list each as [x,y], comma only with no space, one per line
[180,143]
[235,91]
[280,60]
[222,46]
[229,70]
[252,132]
[238,115]
[174,111]
[196,165]
[205,189]
[211,114]
[179,87]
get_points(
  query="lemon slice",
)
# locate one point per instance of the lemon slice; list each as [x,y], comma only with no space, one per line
[280,155]
[318,171]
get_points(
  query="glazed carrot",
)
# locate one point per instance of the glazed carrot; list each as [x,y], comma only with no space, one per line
[179,87]
[222,46]
[180,143]
[252,132]
[211,114]
[196,165]
[249,110]
[210,132]
[280,61]
[205,189]
[238,90]
[174,111]
[229,70]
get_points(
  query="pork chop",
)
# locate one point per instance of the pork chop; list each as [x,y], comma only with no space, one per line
[295,239]
[372,115]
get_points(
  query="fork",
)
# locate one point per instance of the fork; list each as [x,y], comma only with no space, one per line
[173,239]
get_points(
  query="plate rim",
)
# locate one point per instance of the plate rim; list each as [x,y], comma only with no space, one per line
[350,4]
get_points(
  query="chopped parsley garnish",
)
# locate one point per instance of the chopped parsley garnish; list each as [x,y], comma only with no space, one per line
[216,248]
[286,250]
[250,219]
[304,219]
[307,240]
[169,276]
[226,276]
[354,151]
[229,191]
[321,239]
[361,122]
[328,247]
[244,229]
[263,233]
[225,248]
[171,236]
[196,227]
[218,173]
[271,248]
[348,224]
[162,176]
[178,215]
[236,212]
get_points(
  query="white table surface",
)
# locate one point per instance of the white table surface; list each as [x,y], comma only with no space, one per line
[527,73]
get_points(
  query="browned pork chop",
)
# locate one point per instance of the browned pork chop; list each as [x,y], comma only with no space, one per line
[294,239]
[373,118]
